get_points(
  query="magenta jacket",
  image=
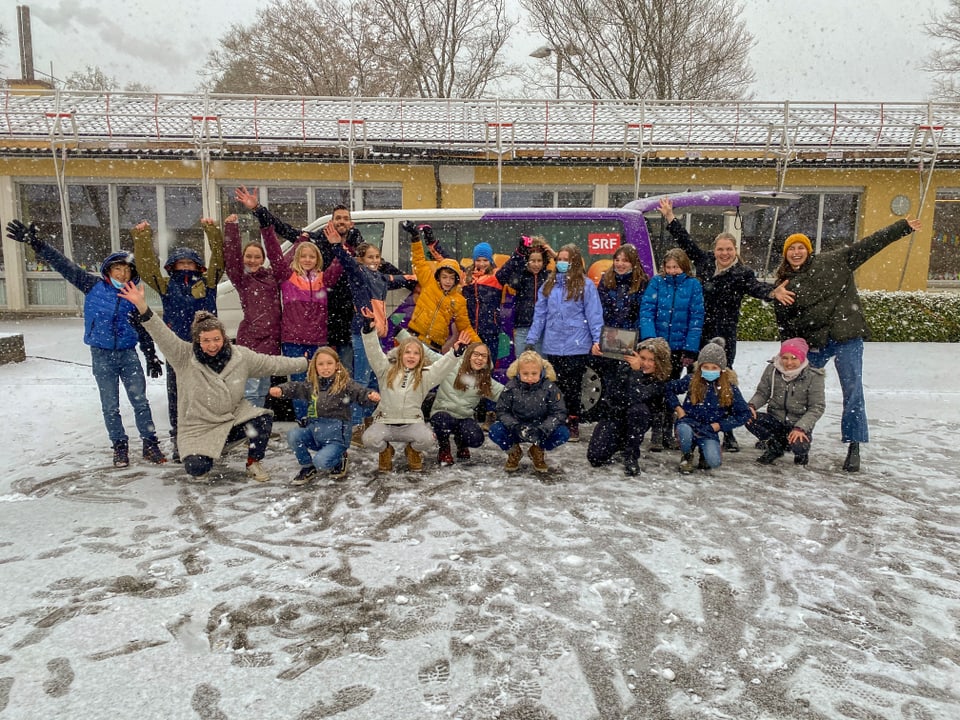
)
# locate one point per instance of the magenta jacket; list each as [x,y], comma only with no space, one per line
[259,294]
[304,319]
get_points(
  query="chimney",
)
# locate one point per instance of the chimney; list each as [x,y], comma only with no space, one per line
[26,42]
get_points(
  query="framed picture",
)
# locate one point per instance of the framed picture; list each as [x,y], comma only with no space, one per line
[617,342]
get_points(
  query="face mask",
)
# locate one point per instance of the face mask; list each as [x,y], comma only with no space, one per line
[116,283]
[710,375]
[562,266]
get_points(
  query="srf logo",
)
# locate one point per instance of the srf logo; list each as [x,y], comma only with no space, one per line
[603,243]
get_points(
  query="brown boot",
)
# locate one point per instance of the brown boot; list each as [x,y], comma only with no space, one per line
[513,458]
[386,459]
[489,419]
[539,463]
[414,458]
[356,439]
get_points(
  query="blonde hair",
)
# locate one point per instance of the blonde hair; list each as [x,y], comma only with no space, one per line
[298,251]
[576,274]
[397,368]
[534,358]
[340,376]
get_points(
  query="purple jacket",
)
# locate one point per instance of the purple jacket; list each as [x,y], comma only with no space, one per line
[259,294]
[304,318]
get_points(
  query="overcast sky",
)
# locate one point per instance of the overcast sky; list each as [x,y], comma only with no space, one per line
[832,50]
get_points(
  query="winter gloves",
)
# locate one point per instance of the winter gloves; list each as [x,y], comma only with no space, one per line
[16,230]
[154,366]
[530,434]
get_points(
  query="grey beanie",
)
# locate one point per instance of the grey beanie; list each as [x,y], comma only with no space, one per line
[714,352]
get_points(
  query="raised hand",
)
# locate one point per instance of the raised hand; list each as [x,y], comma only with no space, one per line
[248,199]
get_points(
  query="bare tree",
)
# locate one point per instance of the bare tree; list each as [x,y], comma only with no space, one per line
[431,48]
[944,61]
[662,49]
[91,78]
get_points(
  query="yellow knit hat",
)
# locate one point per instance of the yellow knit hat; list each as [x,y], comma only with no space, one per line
[797,238]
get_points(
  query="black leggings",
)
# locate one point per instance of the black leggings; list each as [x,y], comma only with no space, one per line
[570,369]
[257,430]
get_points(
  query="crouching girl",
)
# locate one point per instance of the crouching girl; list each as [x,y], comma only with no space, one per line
[713,404]
[405,378]
[633,393]
[793,392]
[328,392]
[530,410]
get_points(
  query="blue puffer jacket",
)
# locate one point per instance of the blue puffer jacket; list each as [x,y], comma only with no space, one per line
[672,308]
[567,327]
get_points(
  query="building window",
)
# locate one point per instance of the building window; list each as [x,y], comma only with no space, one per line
[485,197]
[89,225]
[945,245]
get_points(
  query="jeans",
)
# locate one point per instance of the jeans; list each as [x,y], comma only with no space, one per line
[520,341]
[710,447]
[299,350]
[256,390]
[506,439]
[848,360]
[110,368]
[362,375]
[326,437]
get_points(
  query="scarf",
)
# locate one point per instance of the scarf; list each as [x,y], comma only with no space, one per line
[215,362]
[789,375]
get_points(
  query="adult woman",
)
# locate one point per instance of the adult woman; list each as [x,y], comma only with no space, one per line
[211,376]
[827,313]
[568,319]
[259,294]
[725,281]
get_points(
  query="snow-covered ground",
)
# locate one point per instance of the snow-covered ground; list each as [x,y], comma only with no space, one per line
[748,592]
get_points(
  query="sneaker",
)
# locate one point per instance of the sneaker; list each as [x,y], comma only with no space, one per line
[513,458]
[153,453]
[414,458]
[121,454]
[305,476]
[340,471]
[444,456]
[539,462]
[385,460]
[686,463]
[730,443]
[573,425]
[463,453]
[257,471]
[852,463]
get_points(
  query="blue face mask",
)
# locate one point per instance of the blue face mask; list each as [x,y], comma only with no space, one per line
[710,375]
[562,266]
[116,283]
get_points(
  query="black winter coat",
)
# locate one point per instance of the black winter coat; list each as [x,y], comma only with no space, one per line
[624,387]
[723,293]
[828,306]
[539,405]
[526,287]
[621,308]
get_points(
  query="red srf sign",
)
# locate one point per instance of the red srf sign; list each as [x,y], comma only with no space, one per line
[603,243]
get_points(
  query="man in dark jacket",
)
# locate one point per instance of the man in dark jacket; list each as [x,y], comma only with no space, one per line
[112,329]
[828,314]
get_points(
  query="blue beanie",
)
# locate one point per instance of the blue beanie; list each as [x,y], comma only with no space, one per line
[482,250]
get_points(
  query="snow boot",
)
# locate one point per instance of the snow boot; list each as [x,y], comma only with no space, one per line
[339,472]
[513,458]
[256,470]
[539,462]
[730,443]
[444,456]
[153,453]
[656,436]
[668,441]
[774,450]
[686,463]
[630,466]
[385,460]
[852,463]
[356,438]
[414,458]
[801,458]
[463,452]
[573,425]
[488,419]
[121,454]
[701,461]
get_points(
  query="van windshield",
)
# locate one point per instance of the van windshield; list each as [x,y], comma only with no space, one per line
[597,239]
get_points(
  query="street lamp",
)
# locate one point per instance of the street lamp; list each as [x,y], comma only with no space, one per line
[544,51]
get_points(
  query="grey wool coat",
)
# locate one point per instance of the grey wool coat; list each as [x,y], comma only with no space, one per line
[210,403]
[798,403]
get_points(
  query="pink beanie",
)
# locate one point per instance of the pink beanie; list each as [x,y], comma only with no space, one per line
[795,346]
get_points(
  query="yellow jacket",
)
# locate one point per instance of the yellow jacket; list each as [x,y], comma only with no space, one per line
[435,309]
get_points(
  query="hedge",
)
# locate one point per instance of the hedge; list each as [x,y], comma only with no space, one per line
[892,317]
